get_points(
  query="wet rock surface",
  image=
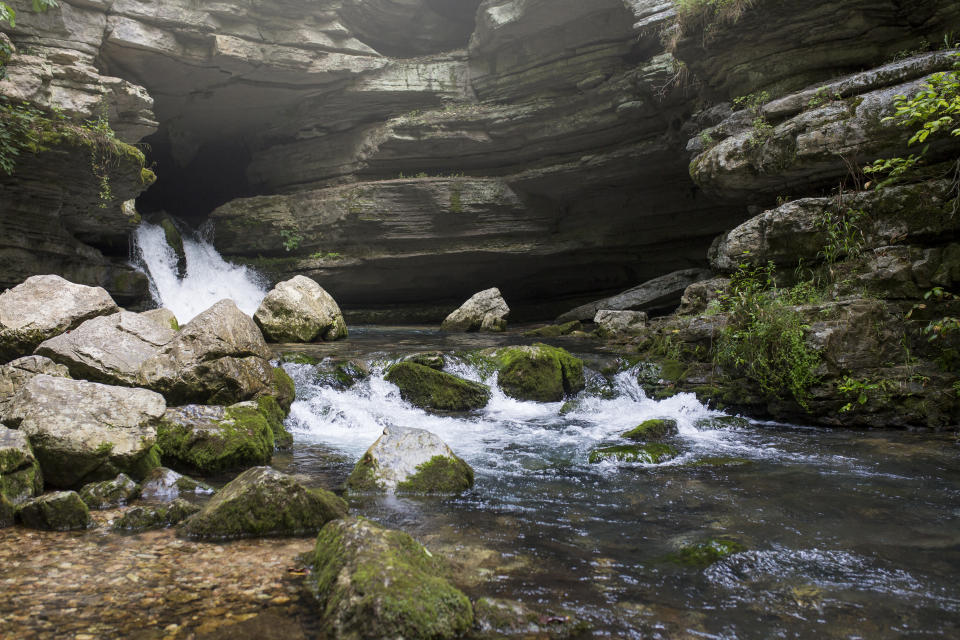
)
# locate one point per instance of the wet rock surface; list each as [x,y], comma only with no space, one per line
[109,493]
[164,485]
[431,389]
[20,475]
[60,511]
[484,311]
[538,372]
[142,517]
[300,310]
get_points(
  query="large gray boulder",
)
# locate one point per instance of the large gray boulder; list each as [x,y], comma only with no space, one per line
[219,357]
[406,460]
[264,502]
[484,311]
[373,582]
[300,310]
[44,306]
[85,431]
[617,323]
[17,373]
[110,349]
[659,294]
[20,477]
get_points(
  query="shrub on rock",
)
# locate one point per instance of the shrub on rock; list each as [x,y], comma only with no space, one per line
[431,389]
[538,372]
[262,502]
[373,582]
[410,461]
[300,310]
[60,511]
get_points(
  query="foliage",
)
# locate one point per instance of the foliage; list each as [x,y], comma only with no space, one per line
[822,97]
[764,341]
[762,129]
[707,15]
[291,239]
[844,234]
[859,391]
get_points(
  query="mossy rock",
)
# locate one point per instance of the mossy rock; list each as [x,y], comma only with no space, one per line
[703,554]
[721,422]
[651,453]
[262,502]
[372,582]
[539,372]
[60,511]
[299,358]
[274,414]
[20,477]
[341,375]
[7,512]
[166,484]
[500,618]
[440,474]
[656,429]
[284,390]
[431,389]
[718,461]
[554,330]
[141,518]
[433,359]
[109,493]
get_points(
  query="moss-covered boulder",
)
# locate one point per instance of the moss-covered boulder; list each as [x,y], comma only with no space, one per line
[498,618]
[703,554]
[372,582]
[431,389]
[263,502]
[716,462]
[652,453]
[538,372]
[433,359]
[407,460]
[274,414]
[283,389]
[655,429]
[340,374]
[109,493]
[165,485]
[209,439]
[7,512]
[141,518]
[721,422]
[60,511]
[300,310]
[20,476]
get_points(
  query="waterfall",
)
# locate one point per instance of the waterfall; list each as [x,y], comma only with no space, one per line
[209,278]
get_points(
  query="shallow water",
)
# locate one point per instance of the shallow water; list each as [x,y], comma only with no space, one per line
[846,534]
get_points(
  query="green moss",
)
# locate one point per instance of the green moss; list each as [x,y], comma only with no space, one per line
[7,512]
[652,430]
[722,422]
[147,177]
[440,474]
[174,324]
[22,484]
[284,389]
[242,439]
[703,554]
[432,389]
[142,518]
[540,372]
[718,461]
[652,453]
[61,511]
[380,583]
[104,449]
[143,464]
[299,358]
[274,415]
[172,236]
[363,478]
[109,493]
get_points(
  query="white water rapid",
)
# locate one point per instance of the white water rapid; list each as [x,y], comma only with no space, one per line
[208,279]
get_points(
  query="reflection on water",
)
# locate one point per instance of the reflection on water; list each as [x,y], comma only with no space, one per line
[847,534]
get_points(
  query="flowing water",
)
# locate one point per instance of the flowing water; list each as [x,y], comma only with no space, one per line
[208,278]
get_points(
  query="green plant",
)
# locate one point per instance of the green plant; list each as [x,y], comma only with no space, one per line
[708,15]
[844,234]
[762,129]
[859,391]
[822,97]
[320,255]
[291,239]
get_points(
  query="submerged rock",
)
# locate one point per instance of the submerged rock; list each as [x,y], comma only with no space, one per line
[410,461]
[433,359]
[340,375]
[703,554]
[539,372]
[165,484]
[140,518]
[484,311]
[85,431]
[653,453]
[60,511]
[210,439]
[17,373]
[20,476]
[373,582]
[300,310]
[501,618]
[45,306]
[109,493]
[431,389]
[263,502]
[721,422]
[655,429]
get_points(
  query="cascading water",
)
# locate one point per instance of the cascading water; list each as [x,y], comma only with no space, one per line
[208,278]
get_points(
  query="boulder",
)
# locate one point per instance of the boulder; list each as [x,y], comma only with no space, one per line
[618,323]
[17,373]
[20,477]
[109,493]
[110,349]
[372,582]
[431,389]
[45,306]
[538,372]
[263,502]
[300,310]
[165,485]
[219,357]
[211,439]
[653,453]
[85,431]
[141,518]
[433,359]
[555,330]
[660,294]
[340,374]
[60,511]
[655,429]
[162,317]
[405,460]
[7,512]
[274,414]
[484,311]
